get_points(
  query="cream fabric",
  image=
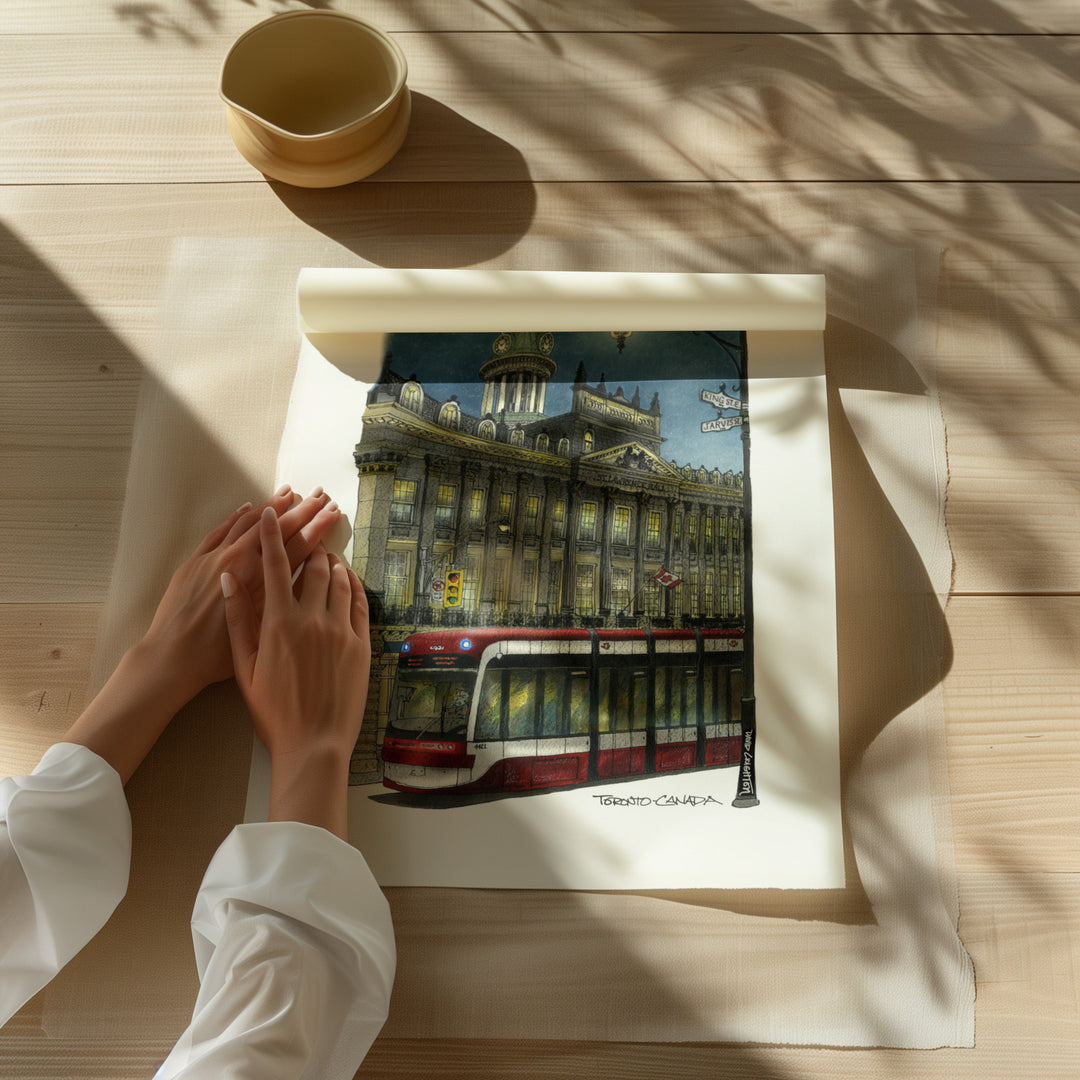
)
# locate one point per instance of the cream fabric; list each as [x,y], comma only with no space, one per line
[293,940]
[877,963]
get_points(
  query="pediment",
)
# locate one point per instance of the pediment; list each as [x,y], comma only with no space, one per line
[632,455]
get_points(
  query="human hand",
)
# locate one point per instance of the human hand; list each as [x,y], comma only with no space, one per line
[303,667]
[188,631]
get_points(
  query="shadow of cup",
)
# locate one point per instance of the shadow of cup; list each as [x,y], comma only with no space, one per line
[316,98]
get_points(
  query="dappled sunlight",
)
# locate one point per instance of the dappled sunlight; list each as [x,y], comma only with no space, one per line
[939,137]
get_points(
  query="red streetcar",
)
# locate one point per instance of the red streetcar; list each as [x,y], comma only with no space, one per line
[498,709]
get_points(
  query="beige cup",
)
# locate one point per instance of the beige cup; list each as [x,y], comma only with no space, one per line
[316,98]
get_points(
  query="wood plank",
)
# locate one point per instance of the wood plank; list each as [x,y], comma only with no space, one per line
[1012,695]
[192,21]
[46,650]
[1006,289]
[571,107]
[1022,931]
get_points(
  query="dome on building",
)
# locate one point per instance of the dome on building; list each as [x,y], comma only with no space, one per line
[515,378]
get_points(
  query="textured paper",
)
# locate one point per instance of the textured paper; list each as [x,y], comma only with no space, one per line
[571,838]
[876,963]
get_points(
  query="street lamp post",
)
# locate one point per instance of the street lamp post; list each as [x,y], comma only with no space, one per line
[746,794]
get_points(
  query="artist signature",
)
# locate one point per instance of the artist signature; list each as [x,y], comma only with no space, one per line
[659,800]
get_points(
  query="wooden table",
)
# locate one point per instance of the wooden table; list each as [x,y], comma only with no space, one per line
[658,135]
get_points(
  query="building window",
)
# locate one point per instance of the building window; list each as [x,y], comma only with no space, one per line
[587,443]
[412,397]
[710,590]
[653,593]
[585,591]
[558,518]
[723,591]
[506,507]
[401,506]
[736,593]
[621,582]
[530,572]
[620,525]
[695,605]
[532,513]
[691,527]
[542,442]
[450,415]
[587,522]
[445,504]
[722,525]
[398,593]
[501,583]
[472,579]
[708,529]
[564,447]
[476,508]
[555,586]
[517,437]
[486,429]
[652,534]
[678,527]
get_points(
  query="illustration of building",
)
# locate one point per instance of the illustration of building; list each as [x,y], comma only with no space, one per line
[548,521]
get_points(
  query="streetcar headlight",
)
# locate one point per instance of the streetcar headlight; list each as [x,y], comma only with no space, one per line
[465,643]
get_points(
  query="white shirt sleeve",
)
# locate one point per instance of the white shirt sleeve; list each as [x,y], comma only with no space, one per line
[295,953]
[65,849]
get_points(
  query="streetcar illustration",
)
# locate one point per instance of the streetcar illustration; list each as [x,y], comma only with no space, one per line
[560,583]
[503,709]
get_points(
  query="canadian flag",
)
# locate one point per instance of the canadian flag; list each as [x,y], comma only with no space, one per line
[667,578]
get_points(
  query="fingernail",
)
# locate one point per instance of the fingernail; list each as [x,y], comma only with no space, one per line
[228,585]
[332,507]
[243,509]
[282,491]
[268,515]
[317,492]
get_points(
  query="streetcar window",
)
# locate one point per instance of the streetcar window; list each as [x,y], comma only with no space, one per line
[736,687]
[690,701]
[639,701]
[555,704]
[489,707]
[712,703]
[430,703]
[663,697]
[579,703]
[522,703]
[605,706]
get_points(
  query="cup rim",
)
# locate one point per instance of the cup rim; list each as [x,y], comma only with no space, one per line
[385,39]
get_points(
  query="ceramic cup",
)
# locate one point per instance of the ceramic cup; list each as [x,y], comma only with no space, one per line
[316,98]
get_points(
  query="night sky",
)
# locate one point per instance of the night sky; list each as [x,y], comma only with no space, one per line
[674,364]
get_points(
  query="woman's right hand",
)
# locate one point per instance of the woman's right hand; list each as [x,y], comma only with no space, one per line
[303,668]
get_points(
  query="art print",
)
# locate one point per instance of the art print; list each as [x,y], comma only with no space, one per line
[600,566]
[554,530]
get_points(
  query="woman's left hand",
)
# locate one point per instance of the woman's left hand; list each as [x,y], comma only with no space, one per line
[188,629]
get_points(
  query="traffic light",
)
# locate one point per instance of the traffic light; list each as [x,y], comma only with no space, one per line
[455,584]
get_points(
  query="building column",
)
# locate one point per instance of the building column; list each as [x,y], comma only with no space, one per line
[486,593]
[605,553]
[547,567]
[371,527]
[639,554]
[517,539]
[670,595]
[569,589]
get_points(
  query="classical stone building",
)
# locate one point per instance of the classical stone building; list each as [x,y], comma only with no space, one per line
[552,520]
